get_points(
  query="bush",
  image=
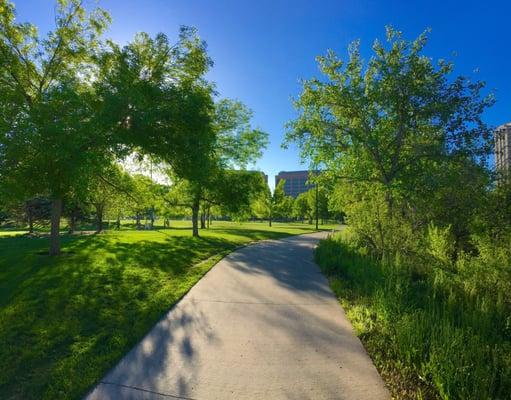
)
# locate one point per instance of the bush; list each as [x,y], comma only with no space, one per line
[435,328]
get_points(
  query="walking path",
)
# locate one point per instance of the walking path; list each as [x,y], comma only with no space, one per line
[262,324]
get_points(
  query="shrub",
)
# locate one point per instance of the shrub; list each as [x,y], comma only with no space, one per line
[440,326]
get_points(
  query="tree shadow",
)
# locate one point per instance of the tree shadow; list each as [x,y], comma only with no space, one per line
[66,320]
[277,302]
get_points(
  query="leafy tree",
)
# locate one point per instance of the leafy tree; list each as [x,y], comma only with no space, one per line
[236,145]
[48,137]
[284,208]
[301,207]
[35,210]
[231,191]
[385,129]
[142,199]
[158,103]
[274,205]
[305,205]
[75,209]
[106,192]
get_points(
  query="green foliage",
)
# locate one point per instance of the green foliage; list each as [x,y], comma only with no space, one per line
[71,103]
[49,135]
[155,100]
[109,192]
[238,144]
[379,121]
[432,333]
[424,270]
[304,206]
[276,205]
[400,138]
[235,144]
[301,207]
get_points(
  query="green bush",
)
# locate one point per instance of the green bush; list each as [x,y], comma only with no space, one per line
[441,326]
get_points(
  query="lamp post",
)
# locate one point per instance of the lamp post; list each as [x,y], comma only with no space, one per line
[317,206]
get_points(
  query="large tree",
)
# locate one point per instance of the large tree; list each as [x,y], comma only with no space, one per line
[49,140]
[387,128]
[157,102]
[224,180]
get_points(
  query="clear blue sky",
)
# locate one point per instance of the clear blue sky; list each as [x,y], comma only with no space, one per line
[262,48]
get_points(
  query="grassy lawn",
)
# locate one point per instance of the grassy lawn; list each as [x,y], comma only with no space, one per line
[65,321]
[11,233]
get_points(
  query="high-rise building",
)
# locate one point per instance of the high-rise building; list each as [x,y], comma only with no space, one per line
[295,182]
[503,148]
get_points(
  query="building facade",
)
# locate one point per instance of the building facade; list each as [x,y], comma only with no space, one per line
[503,148]
[295,182]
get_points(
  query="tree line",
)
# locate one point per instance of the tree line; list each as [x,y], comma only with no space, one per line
[74,104]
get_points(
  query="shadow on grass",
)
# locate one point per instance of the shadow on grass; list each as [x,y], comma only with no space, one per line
[65,320]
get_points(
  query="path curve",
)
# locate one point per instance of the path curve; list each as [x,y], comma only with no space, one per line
[262,324]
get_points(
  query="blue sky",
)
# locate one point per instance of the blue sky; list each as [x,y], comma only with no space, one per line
[262,48]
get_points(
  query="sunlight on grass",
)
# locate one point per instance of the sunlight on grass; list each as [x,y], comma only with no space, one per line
[64,321]
[12,233]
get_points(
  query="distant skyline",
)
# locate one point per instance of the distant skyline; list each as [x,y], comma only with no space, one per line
[262,49]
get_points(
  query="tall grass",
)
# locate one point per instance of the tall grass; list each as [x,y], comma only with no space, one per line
[434,329]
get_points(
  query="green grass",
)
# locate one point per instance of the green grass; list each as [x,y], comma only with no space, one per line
[12,233]
[430,334]
[64,321]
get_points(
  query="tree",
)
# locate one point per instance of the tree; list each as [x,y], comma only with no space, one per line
[305,205]
[158,103]
[36,209]
[142,198]
[301,207]
[48,139]
[270,205]
[107,191]
[382,127]
[225,182]
[230,191]
[238,143]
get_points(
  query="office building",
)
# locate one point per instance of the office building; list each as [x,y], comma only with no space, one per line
[503,148]
[295,182]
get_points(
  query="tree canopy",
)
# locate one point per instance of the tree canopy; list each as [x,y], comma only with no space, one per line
[389,130]
[49,139]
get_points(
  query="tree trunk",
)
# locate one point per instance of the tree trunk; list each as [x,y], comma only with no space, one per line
[138,221]
[72,222]
[195,219]
[99,218]
[118,222]
[208,216]
[203,220]
[56,212]
[317,208]
[30,223]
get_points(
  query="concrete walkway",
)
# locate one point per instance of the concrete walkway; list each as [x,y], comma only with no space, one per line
[262,324]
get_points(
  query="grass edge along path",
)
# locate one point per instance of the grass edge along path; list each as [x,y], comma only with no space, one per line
[427,337]
[66,321]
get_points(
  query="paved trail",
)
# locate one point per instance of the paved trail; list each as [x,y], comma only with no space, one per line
[262,324]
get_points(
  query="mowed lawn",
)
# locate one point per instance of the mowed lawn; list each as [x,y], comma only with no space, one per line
[64,321]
